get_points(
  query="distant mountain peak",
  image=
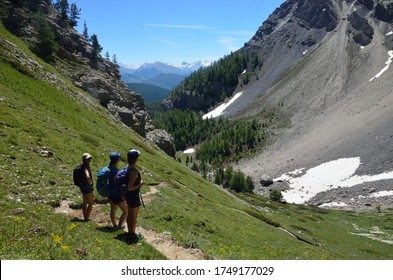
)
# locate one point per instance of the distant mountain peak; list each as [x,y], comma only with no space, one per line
[159,73]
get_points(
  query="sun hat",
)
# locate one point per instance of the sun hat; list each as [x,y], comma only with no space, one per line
[133,155]
[86,156]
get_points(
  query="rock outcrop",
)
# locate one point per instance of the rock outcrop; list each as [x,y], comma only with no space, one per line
[384,11]
[163,140]
[363,32]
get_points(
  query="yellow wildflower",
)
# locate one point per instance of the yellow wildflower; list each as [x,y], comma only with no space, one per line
[56,238]
[72,226]
[65,248]
[17,219]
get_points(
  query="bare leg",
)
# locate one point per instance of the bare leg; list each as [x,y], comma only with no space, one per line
[88,201]
[113,213]
[132,219]
[84,207]
[123,217]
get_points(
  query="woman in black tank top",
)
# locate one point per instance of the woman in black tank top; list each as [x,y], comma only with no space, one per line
[132,196]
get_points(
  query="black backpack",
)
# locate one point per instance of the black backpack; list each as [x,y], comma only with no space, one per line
[79,176]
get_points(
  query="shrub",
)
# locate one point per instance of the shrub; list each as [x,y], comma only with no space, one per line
[275,195]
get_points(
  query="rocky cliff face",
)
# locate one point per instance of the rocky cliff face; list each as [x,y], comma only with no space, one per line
[73,60]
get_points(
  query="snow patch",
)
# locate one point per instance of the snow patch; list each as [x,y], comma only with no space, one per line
[325,177]
[388,62]
[220,109]
[244,72]
[382,194]
[362,47]
[390,33]
[334,205]
[305,52]
[189,151]
[297,172]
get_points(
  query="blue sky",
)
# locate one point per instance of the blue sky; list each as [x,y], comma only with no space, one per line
[173,31]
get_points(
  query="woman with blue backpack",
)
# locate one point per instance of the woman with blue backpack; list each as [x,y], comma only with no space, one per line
[115,198]
[130,183]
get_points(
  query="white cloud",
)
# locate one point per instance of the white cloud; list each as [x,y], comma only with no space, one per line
[168,43]
[229,43]
[242,33]
[180,26]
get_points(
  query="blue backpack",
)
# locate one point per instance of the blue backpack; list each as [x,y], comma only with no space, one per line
[103,181]
[121,181]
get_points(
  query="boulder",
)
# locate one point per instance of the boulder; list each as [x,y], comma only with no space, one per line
[266,182]
[163,140]
[369,4]
[384,13]
[364,32]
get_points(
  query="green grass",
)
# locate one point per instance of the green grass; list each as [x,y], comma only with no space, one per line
[35,114]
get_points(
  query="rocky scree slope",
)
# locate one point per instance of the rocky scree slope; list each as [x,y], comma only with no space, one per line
[73,60]
[338,96]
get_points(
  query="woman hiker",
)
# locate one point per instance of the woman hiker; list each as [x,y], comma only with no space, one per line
[134,184]
[86,186]
[116,200]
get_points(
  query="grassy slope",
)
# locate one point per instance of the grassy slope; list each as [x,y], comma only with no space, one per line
[35,114]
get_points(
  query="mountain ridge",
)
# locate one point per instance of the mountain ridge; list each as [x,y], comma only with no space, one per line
[160,74]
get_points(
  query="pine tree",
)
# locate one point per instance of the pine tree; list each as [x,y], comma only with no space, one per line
[187,160]
[237,182]
[46,36]
[85,31]
[62,7]
[228,177]
[74,14]
[195,167]
[107,56]
[249,185]
[218,177]
[115,62]
[117,66]
[275,195]
[96,48]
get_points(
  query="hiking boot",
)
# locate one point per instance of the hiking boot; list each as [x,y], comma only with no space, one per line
[140,237]
[120,227]
[135,238]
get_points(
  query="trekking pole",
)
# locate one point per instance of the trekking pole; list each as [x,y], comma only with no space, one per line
[141,199]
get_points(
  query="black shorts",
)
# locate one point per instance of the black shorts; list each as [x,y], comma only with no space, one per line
[86,189]
[116,199]
[133,201]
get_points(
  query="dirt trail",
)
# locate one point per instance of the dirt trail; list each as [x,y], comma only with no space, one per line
[162,242]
